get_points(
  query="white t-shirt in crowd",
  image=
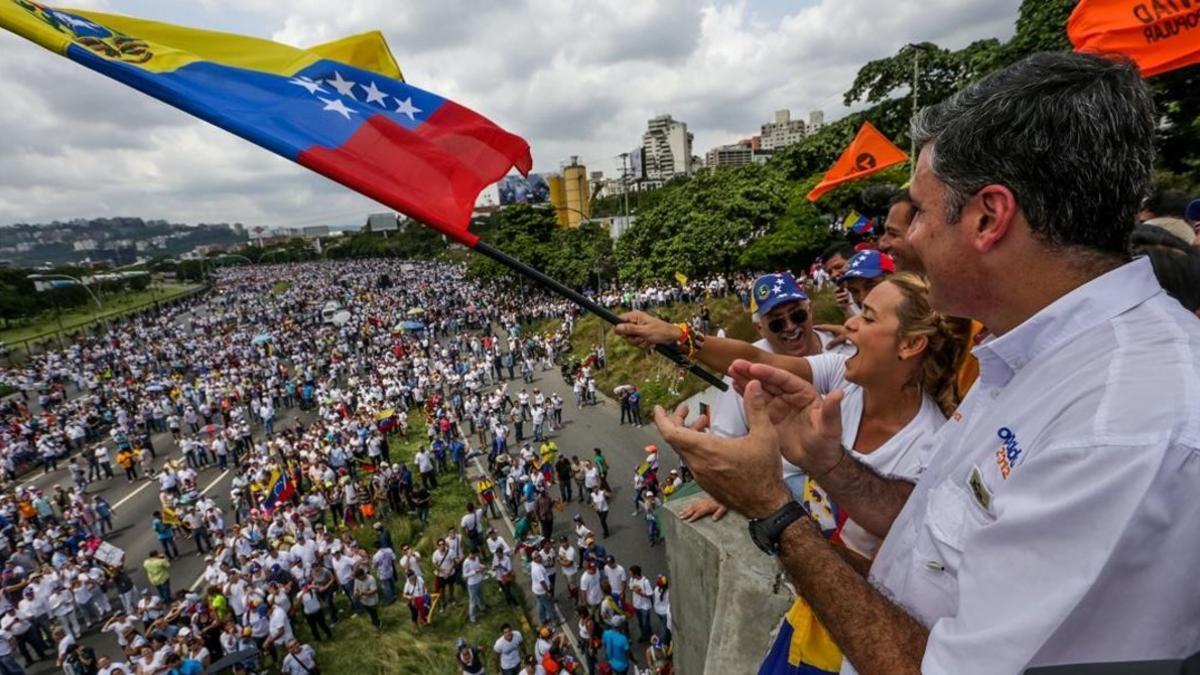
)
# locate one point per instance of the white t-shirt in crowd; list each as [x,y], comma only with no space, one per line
[509,650]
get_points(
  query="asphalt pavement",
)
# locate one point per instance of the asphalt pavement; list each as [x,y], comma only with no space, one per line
[598,426]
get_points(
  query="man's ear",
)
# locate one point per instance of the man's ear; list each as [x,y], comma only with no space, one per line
[991,214]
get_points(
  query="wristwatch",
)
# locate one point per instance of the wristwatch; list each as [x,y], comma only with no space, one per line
[765,532]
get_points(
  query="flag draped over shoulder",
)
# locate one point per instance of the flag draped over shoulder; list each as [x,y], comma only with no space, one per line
[339,109]
[1158,36]
[869,152]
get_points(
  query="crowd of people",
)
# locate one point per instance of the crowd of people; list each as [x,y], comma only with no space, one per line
[303,414]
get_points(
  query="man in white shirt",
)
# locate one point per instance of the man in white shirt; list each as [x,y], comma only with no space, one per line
[280,627]
[1054,520]
[642,594]
[567,558]
[542,591]
[472,570]
[781,312]
[300,659]
[508,647]
[590,587]
[384,562]
[616,575]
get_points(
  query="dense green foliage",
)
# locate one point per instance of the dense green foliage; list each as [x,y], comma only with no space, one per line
[577,257]
[20,301]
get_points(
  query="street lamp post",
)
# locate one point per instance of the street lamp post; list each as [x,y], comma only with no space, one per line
[54,299]
[916,83]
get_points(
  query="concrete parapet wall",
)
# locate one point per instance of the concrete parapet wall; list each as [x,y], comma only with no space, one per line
[726,601]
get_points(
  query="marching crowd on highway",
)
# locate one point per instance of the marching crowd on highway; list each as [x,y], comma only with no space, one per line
[304,413]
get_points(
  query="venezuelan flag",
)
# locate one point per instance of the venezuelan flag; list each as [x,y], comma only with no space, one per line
[855,222]
[802,647]
[340,109]
[280,490]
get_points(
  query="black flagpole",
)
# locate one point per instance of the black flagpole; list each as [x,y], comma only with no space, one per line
[578,298]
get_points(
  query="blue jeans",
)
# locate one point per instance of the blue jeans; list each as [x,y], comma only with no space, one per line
[9,665]
[389,590]
[546,611]
[475,600]
[643,619]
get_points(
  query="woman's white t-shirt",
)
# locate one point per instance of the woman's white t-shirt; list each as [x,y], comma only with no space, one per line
[896,458]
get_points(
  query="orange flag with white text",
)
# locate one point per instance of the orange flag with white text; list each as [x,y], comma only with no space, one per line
[1158,35]
[870,152]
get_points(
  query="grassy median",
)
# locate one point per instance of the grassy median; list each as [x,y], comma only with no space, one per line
[358,649]
[46,324]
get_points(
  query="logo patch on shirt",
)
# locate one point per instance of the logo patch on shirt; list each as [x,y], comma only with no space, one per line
[979,489]
[1010,453]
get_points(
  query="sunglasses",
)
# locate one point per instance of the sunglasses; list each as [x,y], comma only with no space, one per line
[797,317]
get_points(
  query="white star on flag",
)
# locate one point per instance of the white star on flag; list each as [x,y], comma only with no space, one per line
[337,106]
[309,84]
[374,95]
[406,107]
[74,22]
[344,87]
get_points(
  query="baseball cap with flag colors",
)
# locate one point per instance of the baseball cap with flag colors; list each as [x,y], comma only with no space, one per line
[869,264]
[772,290]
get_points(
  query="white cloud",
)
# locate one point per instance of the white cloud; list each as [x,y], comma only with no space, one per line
[575,77]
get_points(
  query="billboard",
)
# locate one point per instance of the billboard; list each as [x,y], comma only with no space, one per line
[637,169]
[518,190]
[382,222]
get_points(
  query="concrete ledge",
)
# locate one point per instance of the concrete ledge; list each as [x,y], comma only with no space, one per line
[725,599]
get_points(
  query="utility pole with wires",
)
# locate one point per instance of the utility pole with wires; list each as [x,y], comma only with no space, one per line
[625,186]
[915,87]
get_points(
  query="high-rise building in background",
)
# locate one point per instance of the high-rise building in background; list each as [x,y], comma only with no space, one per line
[816,121]
[782,132]
[570,194]
[666,150]
[738,154]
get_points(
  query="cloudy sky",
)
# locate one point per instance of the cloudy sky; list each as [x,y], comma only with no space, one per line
[573,77]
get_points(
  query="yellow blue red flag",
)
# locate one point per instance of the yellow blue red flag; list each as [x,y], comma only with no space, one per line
[279,490]
[802,647]
[339,109]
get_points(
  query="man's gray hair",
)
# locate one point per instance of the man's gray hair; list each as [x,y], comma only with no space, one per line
[1070,134]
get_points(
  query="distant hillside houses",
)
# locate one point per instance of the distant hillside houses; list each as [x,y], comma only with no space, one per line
[119,241]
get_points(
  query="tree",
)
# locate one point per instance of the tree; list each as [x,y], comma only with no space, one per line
[582,256]
[699,226]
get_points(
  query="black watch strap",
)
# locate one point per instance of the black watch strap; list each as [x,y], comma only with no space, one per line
[765,532]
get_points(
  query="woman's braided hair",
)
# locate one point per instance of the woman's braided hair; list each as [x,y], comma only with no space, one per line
[947,339]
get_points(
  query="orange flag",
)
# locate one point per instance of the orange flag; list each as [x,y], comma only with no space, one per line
[1159,35]
[870,151]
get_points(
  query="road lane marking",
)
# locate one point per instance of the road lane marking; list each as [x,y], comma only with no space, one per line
[133,494]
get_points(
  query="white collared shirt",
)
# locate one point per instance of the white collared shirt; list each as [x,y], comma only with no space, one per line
[1055,521]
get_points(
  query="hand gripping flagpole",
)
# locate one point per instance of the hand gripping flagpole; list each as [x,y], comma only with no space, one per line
[578,298]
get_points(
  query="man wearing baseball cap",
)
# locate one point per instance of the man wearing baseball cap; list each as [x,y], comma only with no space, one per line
[865,271]
[781,313]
